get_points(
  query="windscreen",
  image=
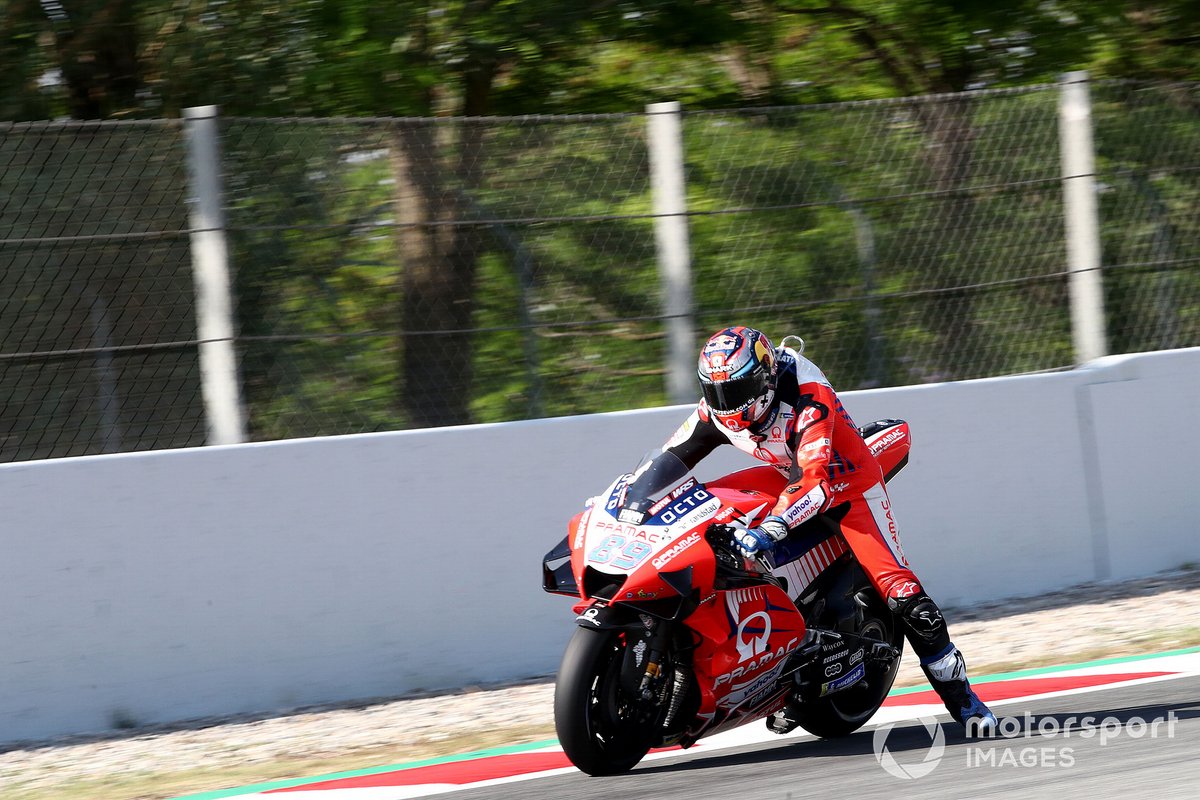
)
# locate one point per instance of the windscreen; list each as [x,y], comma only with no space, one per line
[654,478]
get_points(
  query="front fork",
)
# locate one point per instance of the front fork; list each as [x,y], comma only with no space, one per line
[646,649]
[657,669]
[655,650]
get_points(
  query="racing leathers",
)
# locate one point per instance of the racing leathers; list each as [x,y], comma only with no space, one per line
[810,438]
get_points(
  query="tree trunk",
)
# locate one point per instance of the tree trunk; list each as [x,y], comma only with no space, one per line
[951,315]
[98,53]
[439,253]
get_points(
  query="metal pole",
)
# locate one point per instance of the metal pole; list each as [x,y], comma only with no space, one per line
[109,399]
[210,270]
[1082,217]
[864,238]
[665,140]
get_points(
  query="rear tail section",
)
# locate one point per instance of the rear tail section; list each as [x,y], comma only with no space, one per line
[889,441]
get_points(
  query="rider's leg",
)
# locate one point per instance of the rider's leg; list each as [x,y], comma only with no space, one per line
[870,529]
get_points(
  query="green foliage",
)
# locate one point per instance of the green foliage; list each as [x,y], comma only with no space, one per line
[908,240]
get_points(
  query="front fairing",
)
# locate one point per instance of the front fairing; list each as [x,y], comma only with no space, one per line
[743,625]
[624,561]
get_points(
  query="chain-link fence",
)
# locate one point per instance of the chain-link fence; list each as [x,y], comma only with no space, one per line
[97,350]
[396,273]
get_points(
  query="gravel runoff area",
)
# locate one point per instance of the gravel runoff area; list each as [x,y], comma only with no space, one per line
[1084,622]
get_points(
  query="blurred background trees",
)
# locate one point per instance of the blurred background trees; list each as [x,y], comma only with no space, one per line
[104,59]
[423,197]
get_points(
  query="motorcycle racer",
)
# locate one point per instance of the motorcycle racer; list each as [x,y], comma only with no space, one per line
[777,406]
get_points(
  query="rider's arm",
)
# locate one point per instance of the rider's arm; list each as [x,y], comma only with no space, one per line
[696,437]
[812,444]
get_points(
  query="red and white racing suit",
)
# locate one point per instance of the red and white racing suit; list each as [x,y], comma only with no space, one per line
[807,435]
[810,438]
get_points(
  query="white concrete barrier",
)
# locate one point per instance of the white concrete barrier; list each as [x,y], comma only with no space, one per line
[162,586]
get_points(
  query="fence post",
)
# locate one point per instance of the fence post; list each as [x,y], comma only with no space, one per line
[665,140]
[210,271]
[1081,217]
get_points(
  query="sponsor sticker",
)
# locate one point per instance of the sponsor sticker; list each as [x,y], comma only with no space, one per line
[631,516]
[665,556]
[836,656]
[617,496]
[674,495]
[683,505]
[805,507]
[590,616]
[886,441]
[849,679]
[681,435]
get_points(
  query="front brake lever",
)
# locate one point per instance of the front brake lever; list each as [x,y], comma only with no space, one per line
[720,538]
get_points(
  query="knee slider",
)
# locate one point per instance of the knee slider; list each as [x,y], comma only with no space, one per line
[922,617]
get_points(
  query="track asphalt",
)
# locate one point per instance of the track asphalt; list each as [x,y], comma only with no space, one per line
[1127,727]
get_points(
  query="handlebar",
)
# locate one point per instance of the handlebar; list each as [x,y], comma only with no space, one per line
[720,538]
[728,555]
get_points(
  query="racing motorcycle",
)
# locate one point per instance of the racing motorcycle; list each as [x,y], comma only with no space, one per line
[679,636]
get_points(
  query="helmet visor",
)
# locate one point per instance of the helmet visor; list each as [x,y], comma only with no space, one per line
[727,397]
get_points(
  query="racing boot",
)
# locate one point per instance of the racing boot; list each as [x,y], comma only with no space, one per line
[948,676]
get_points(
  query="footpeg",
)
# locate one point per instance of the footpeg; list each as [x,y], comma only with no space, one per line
[883,653]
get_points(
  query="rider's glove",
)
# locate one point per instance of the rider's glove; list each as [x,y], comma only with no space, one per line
[752,541]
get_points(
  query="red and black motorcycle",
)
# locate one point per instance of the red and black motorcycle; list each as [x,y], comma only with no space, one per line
[680,636]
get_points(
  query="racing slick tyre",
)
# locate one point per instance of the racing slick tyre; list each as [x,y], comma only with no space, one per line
[602,728]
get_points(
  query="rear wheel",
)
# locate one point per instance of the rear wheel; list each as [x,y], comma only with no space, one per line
[601,726]
[844,712]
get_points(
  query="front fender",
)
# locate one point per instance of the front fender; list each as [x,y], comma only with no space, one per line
[598,615]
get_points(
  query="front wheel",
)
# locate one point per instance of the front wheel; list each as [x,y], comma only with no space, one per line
[602,729]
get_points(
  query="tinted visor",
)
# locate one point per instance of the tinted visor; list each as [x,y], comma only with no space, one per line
[733,395]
